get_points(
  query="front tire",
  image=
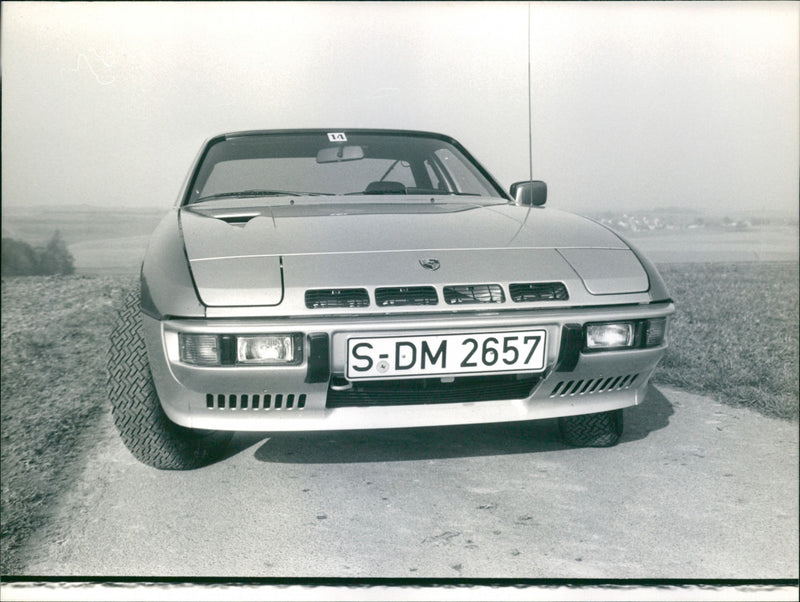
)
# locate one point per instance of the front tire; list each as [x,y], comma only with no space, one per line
[602,429]
[142,423]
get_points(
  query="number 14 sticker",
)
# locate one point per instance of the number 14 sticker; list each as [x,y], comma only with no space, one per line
[337,137]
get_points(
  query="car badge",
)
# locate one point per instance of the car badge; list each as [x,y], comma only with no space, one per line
[430,264]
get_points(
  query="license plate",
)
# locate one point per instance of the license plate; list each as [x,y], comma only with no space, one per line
[446,355]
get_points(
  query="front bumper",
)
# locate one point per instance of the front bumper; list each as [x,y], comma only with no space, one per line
[304,397]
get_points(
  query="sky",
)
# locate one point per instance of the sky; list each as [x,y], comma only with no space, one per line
[634,105]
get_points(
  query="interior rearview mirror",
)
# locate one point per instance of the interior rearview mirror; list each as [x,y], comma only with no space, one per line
[335,154]
[531,193]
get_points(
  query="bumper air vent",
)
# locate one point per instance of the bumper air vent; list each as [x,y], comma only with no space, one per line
[337,298]
[406,295]
[569,388]
[428,391]
[538,291]
[267,401]
[474,293]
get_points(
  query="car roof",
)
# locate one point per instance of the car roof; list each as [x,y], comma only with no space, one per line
[333,130]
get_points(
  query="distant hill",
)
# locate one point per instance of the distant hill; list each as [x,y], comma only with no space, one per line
[102,240]
[78,223]
[687,219]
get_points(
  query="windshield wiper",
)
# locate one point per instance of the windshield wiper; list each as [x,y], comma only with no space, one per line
[252,193]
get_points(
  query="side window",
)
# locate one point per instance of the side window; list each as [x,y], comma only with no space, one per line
[435,177]
[465,181]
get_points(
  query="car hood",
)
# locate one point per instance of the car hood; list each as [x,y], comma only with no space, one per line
[243,254]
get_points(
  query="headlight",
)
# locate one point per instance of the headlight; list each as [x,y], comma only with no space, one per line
[230,350]
[635,334]
[265,349]
[609,336]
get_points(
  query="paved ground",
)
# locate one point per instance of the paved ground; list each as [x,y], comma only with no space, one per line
[695,490]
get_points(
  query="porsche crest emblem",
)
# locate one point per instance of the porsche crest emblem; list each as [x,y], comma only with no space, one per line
[430,264]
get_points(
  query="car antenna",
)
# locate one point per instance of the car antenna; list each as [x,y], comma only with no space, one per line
[530,130]
[530,125]
[530,110]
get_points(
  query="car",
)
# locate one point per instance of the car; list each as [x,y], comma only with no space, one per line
[335,279]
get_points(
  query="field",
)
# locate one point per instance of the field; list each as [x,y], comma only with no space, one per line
[735,334]
[760,243]
[54,337]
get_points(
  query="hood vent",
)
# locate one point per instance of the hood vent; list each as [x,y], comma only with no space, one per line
[406,295]
[337,298]
[237,218]
[538,291]
[474,293]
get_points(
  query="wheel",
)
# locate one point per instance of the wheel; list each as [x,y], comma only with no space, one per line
[142,423]
[592,430]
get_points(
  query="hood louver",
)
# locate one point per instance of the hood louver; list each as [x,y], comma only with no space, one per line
[337,298]
[477,293]
[538,291]
[462,294]
[406,295]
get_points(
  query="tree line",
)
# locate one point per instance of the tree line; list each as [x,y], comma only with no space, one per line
[21,259]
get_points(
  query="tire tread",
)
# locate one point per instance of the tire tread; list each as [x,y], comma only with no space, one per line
[602,429]
[142,423]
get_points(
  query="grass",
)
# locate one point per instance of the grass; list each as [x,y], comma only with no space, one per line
[54,337]
[734,337]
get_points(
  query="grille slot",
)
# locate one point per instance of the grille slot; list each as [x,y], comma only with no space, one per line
[474,293]
[432,391]
[569,388]
[538,291]
[406,295]
[258,401]
[337,298]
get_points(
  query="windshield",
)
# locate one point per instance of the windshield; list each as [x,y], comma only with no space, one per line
[340,163]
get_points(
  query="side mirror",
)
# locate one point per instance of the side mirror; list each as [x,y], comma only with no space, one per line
[532,193]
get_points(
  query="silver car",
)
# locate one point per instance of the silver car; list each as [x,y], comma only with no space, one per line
[364,279]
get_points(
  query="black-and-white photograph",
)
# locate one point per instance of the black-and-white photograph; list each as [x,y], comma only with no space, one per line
[400,300]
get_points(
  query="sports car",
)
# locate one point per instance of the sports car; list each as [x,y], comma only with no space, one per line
[337,279]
